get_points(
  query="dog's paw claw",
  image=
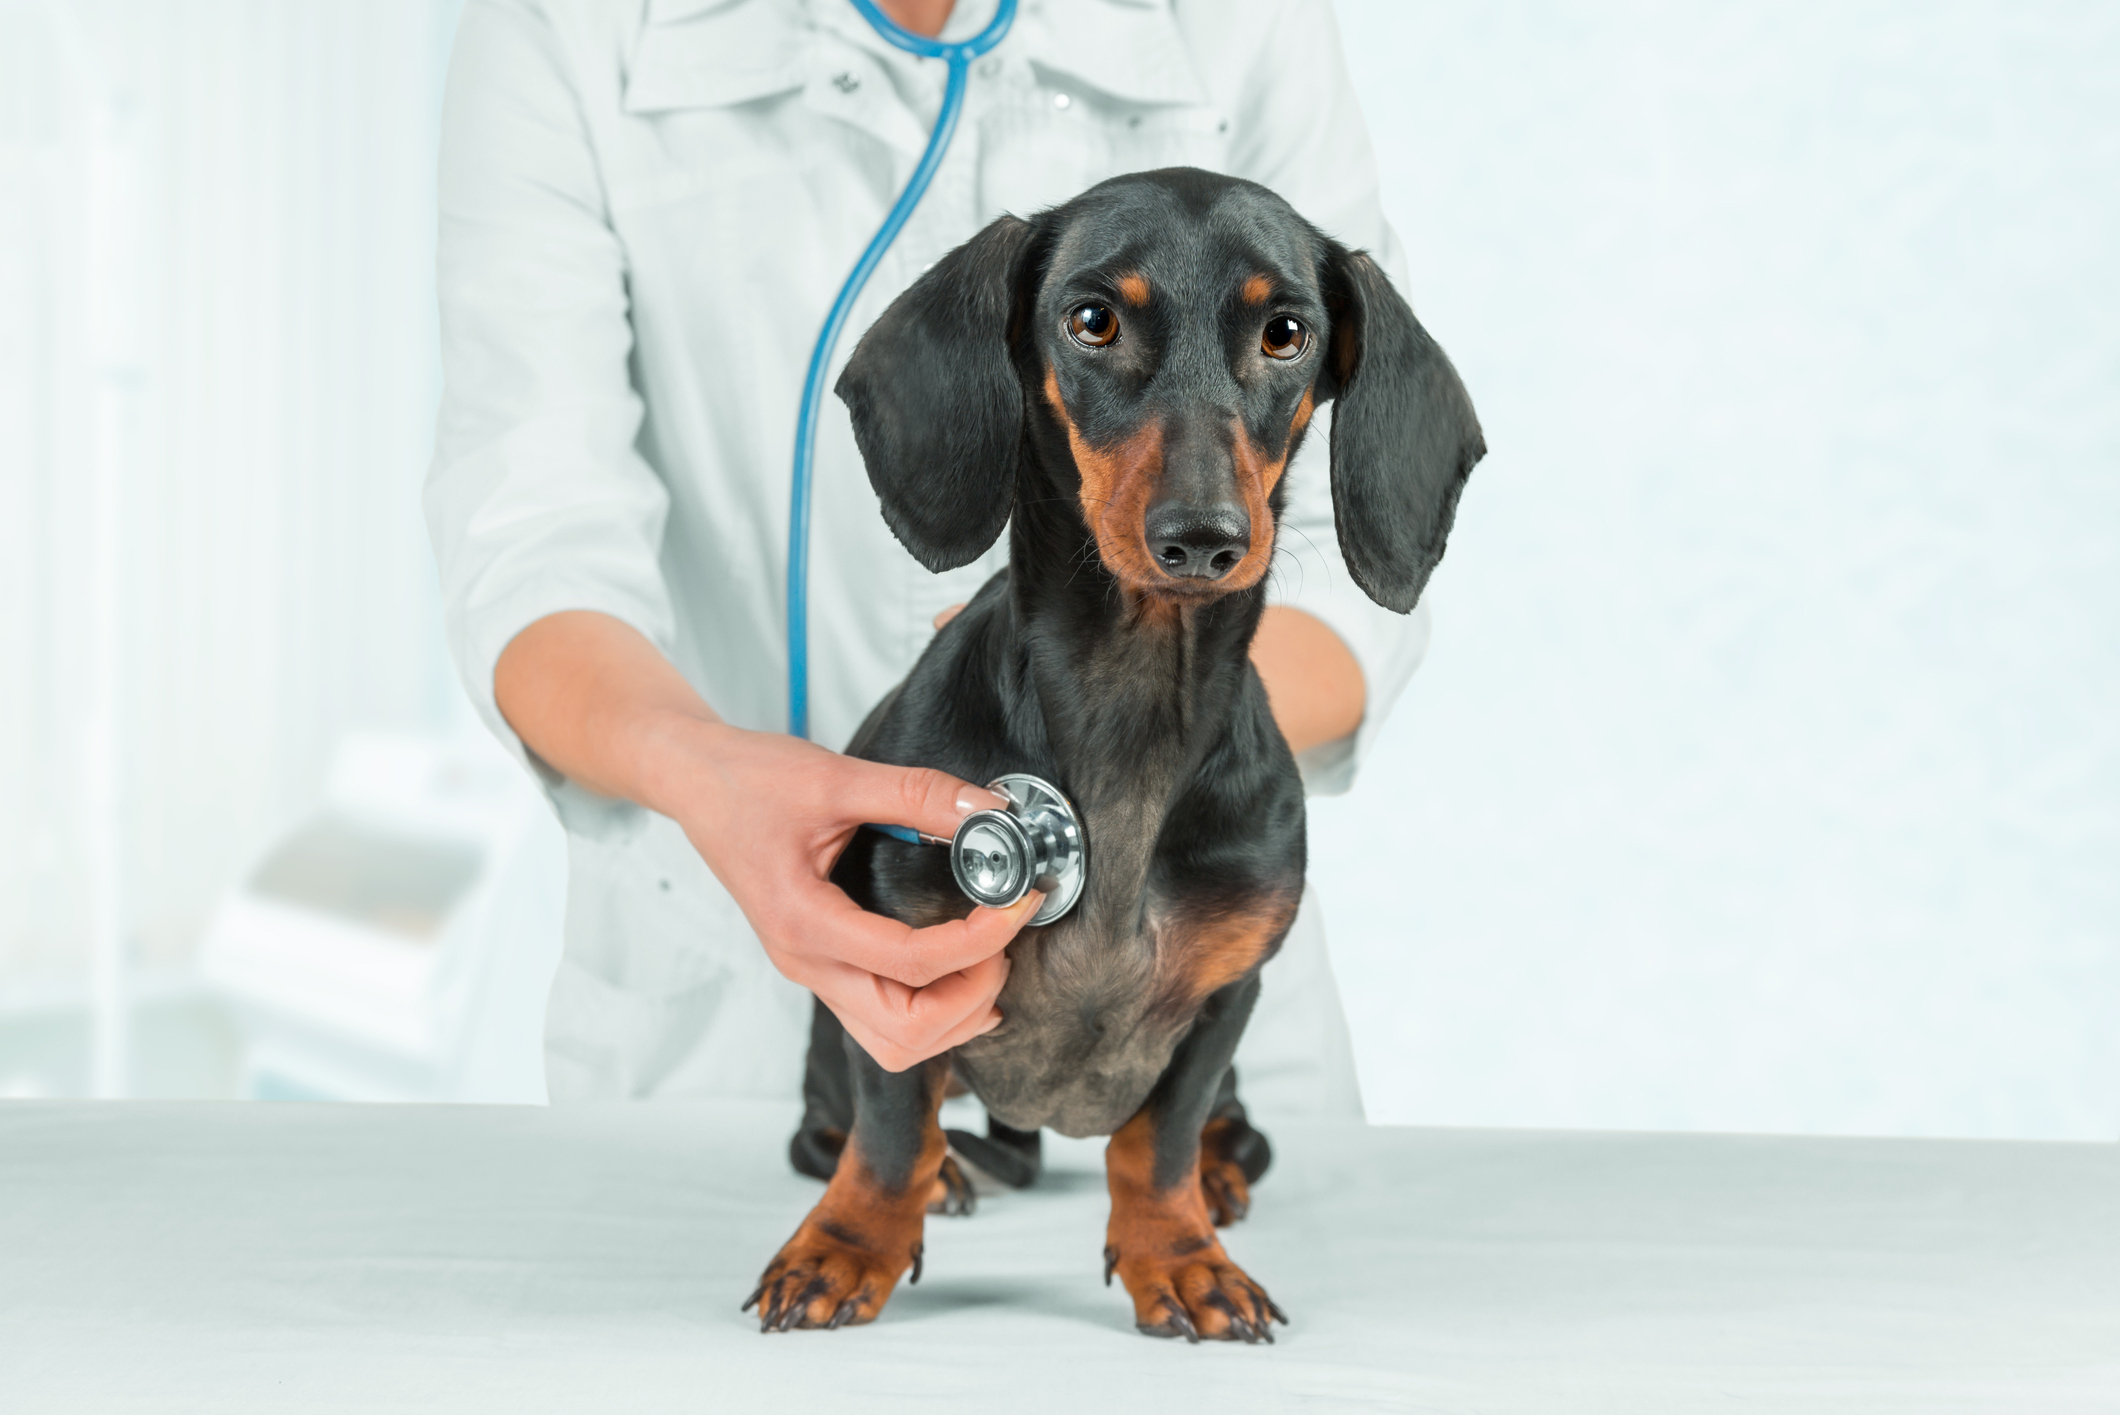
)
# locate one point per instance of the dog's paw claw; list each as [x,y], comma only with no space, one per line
[1175,1323]
[1241,1327]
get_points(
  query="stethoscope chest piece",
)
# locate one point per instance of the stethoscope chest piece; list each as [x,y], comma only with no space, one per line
[1036,843]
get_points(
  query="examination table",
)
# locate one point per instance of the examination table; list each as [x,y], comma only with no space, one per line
[265,1257]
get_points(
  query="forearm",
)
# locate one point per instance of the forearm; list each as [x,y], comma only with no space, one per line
[769,814]
[1313,682]
[601,705]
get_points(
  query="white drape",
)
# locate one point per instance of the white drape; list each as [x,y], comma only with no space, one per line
[264,381]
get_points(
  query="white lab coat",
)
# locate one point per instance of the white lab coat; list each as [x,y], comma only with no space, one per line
[646,209]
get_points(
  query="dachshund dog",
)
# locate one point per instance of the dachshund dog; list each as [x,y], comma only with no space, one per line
[1120,381]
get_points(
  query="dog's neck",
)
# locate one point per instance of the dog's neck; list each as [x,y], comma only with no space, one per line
[1133,690]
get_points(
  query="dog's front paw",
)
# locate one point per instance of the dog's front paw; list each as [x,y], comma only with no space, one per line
[1191,1289]
[827,1277]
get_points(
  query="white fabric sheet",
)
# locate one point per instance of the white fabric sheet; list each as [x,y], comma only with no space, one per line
[172,1257]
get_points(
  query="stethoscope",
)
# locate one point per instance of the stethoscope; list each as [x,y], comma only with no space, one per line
[1036,842]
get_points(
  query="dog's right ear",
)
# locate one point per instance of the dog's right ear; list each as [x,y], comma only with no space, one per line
[937,403]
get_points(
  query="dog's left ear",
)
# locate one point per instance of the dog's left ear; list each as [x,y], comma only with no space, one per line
[1404,436]
[937,403]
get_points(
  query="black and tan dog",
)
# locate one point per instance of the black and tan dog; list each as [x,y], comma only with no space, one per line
[1121,381]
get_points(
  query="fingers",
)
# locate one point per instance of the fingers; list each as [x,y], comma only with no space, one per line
[927,800]
[917,957]
[947,615]
[985,1013]
[901,1026]
[949,1011]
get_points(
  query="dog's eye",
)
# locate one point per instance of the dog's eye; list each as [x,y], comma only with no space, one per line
[1094,325]
[1284,338]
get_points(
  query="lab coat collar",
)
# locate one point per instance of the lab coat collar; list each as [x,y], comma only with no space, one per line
[719,53]
[714,54]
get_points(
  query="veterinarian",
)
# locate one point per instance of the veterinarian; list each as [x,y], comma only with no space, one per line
[646,209]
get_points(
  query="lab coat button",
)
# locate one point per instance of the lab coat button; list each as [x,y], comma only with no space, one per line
[1061,100]
[846,81]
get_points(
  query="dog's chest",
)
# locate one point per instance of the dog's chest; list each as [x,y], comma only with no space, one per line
[1096,1004]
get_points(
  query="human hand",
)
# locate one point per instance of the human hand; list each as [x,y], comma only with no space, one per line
[770,815]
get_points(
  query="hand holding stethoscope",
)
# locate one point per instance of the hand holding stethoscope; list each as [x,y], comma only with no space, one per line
[770,813]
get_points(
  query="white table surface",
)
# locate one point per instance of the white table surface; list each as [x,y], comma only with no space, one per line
[230,1257]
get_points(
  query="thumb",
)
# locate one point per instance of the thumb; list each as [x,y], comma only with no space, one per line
[924,799]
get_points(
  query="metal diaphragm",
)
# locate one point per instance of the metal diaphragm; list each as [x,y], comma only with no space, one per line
[1036,843]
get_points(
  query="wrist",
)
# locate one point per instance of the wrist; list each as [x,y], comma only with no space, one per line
[675,758]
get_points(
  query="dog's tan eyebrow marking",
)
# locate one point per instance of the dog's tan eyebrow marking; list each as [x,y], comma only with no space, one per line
[1257,290]
[1133,288]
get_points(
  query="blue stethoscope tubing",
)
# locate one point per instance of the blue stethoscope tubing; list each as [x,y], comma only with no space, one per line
[959,57]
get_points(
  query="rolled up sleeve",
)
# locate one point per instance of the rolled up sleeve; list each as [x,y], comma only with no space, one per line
[1301,133]
[537,501]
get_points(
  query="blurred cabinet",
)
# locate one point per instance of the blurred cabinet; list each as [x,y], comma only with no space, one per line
[398,944]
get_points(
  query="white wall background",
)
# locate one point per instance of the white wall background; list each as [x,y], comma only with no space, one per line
[1765,773]
[266,170]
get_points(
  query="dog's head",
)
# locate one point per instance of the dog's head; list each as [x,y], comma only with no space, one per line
[1153,350]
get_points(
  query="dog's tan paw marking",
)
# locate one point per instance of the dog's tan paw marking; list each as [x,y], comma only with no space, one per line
[825,1279]
[1193,1290]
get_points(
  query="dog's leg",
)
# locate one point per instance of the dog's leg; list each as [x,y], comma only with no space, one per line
[1232,1155]
[1161,1240]
[841,1265]
[1011,1156]
[827,1098]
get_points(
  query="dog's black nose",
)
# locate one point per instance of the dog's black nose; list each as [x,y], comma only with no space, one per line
[1196,542]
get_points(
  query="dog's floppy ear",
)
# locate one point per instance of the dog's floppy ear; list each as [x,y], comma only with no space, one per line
[937,403]
[1404,436]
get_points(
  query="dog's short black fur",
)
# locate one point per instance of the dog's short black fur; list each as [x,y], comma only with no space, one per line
[1121,382]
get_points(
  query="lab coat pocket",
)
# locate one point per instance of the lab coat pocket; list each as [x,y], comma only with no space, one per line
[647,917]
[664,989]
